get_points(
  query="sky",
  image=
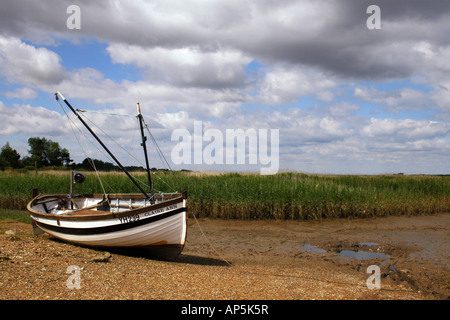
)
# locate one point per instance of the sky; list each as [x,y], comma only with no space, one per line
[347,98]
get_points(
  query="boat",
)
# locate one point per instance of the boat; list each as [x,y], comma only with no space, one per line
[154,223]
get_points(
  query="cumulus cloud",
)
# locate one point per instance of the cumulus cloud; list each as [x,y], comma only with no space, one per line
[327,34]
[21,93]
[26,64]
[374,146]
[31,120]
[91,85]
[283,85]
[185,66]
[396,100]
[404,129]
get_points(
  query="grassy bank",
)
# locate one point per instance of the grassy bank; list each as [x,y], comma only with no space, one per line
[14,215]
[251,196]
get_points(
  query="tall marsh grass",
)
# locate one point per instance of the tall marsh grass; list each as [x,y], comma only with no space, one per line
[250,196]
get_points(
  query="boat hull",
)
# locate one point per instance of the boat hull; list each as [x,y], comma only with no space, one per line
[159,229]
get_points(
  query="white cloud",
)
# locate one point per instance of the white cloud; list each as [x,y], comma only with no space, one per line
[343,109]
[330,35]
[344,143]
[30,120]
[285,85]
[186,66]
[25,64]
[21,93]
[404,130]
[172,121]
[397,100]
[90,84]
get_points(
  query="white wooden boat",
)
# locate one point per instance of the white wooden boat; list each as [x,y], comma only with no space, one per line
[154,222]
[115,221]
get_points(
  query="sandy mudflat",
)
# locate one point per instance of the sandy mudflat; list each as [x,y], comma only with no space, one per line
[243,260]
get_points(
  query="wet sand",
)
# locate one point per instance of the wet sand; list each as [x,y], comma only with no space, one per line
[268,260]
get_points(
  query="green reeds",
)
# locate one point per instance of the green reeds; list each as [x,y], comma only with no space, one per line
[282,196]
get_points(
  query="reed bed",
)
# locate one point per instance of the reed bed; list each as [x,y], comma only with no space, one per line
[282,196]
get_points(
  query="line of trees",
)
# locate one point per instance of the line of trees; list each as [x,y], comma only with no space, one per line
[89,164]
[43,153]
[47,153]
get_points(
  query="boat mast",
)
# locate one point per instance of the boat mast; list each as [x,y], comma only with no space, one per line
[102,144]
[144,146]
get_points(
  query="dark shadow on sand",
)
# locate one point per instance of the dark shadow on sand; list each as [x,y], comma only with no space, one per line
[204,261]
[144,254]
[181,258]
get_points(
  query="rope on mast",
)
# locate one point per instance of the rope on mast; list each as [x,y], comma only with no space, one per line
[103,145]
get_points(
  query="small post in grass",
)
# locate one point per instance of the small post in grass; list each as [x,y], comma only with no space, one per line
[36,230]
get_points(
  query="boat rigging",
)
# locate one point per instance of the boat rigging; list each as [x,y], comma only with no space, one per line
[149,197]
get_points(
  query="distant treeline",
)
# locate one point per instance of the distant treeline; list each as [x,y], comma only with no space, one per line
[47,154]
[94,164]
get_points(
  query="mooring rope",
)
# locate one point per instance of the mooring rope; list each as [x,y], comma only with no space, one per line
[209,242]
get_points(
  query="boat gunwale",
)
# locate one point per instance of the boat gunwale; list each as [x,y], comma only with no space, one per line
[100,215]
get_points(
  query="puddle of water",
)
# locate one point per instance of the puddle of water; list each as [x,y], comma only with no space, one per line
[311,248]
[369,244]
[384,262]
[363,255]
[358,255]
